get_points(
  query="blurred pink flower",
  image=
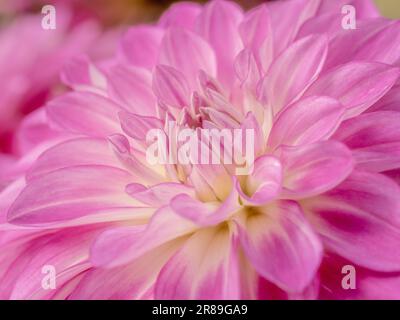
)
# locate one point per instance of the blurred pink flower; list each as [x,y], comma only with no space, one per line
[324,193]
[31,59]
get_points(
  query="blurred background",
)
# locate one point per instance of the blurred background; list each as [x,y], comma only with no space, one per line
[125,11]
[389,8]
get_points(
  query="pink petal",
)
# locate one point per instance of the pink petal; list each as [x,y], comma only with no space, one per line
[204,214]
[374,138]
[7,161]
[255,28]
[134,161]
[35,130]
[8,196]
[293,71]
[119,246]
[220,119]
[205,268]
[366,34]
[218,24]
[307,121]
[203,190]
[390,102]
[111,247]
[357,85]
[370,285]
[359,220]
[84,113]
[17,169]
[371,50]
[127,282]
[181,14]
[158,195]
[314,168]
[57,196]
[287,18]
[393,174]
[246,69]
[218,101]
[378,158]
[250,122]
[82,151]
[66,250]
[281,245]
[188,53]
[131,87]
[264,184]
[80,74]
[140,45]
[376,191]
[269,291]
[171,86]
[329,17]
[328,23]
[137,126]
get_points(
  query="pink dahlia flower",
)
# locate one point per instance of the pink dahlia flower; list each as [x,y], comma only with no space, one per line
[323,193]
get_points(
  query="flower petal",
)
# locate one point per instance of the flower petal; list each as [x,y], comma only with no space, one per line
[287,18]
[57,196]
[84,113]
[140,45]
[65,250]
[131,87]
[197,54]
[265,182]
[246,69]
[371,50]
[35,130]
[158,195]
[307,121]
[137,126]
[218,24]
[81,151]
[281,245]
[171,86]
[119,246]
[204,214]
[135,162]
[390,102]
[8,196]
[293,71]
[314,168]
[205,268]
[359,220]
[374,138]
[255,28]
[365,37]
[357,85]
[130,281]
[181,14]
[80,74]
[328,23]
[370,285]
